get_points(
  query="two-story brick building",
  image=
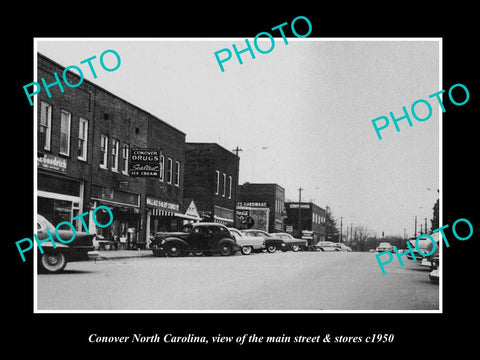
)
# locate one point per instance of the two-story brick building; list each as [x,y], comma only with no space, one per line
[211,180]
[85,135]
[306,220]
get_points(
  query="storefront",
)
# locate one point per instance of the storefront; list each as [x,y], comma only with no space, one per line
[59,198]
[127,221]
[164,216]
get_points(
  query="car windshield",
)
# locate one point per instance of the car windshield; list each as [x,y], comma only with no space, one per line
[187,228]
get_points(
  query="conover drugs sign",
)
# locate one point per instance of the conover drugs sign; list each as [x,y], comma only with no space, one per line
[144,163]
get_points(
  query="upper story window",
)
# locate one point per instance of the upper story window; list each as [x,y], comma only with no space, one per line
[82,139]
[162,168]
[229,187]
[65,121]
[169,170]
[103,151]
[217,182]
[125,152]
[224,184]
[177,173]
[45,126]
[115,148]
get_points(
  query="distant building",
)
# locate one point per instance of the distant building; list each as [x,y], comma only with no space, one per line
[211,180]
[311,219]
[267,195]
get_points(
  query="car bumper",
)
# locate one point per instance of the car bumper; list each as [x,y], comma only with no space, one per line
[159,251]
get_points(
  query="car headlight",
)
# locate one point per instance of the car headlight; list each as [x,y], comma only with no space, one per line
[283,244]
[162,242]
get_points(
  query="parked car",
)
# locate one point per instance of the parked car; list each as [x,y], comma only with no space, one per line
[54,260]
[272,243]
[384,246]
[246,242]
[291,243]
[344,247]
[327,246]
[199,238]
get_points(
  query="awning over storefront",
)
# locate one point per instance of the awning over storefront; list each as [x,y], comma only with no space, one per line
[158,212]
[221,220]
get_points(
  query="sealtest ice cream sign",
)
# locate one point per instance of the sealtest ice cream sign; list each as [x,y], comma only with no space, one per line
[144,163]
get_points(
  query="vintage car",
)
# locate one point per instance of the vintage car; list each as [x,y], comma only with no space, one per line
[246,242]
[199,238]
[344,247]
[272,243]
[54,259]
[292,243]
[327,246]
[384,246]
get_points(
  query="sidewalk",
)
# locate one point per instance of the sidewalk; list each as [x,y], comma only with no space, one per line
[122,254]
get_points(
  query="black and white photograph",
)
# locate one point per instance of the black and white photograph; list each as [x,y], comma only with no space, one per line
[263,187]
[241,180]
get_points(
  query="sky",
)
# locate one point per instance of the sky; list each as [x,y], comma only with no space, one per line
[302,114]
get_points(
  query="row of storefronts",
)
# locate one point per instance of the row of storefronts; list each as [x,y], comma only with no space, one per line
[86,137]
[91,148]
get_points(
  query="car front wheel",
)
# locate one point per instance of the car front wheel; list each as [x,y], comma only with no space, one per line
[246,250]
[174,250]
[53,262]
[295,248]
[226,249]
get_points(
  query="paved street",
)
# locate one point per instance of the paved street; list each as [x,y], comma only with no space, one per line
[280,281]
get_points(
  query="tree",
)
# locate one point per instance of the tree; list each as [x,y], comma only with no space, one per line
[363,239]
[435,220]
[331,231]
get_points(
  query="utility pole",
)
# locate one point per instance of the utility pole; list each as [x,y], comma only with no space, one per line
[326,223]
[300,211]
[237,166]
[415,226]
[426,231]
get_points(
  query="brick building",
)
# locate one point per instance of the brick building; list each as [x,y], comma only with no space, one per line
[84,138]
[211,180]
[271,196]
[306,220]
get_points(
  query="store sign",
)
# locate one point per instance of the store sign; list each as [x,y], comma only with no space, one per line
[53,163]
[144,163]
[259,204]
[162,205]
[296,206]
[192,210]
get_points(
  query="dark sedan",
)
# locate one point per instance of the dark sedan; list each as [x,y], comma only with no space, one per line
[54,259]
[199,238]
